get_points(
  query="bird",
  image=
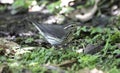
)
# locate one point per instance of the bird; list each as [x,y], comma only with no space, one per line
[54,34]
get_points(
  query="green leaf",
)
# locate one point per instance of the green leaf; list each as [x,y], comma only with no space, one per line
[114,70]
[96,30]
[52,7]
[84,29]
[115,38]
[29,40]
[21,3]
[116,52]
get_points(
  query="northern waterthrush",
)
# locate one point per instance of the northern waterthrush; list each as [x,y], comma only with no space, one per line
[54,34]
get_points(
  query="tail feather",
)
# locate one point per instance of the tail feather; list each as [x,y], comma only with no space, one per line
[37,25]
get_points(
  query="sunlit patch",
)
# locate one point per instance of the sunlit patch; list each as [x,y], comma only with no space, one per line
[6,1]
